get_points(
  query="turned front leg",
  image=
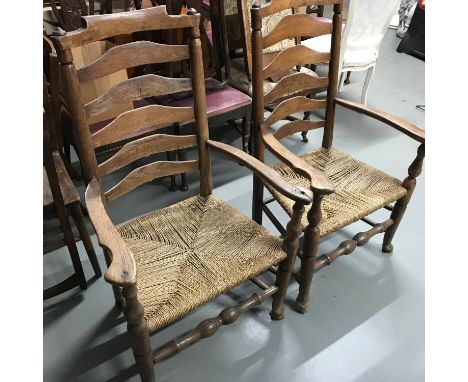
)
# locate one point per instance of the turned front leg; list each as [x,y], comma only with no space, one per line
[399,209]
[290,246]
[139,334]
[311,240]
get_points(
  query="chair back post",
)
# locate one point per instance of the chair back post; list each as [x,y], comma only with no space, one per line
[74,100]
[257,80]
[333,75]
[201,118]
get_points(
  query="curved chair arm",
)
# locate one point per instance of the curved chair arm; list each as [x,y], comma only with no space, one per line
[401,125]
[122,270]
[265,172]
[319,182]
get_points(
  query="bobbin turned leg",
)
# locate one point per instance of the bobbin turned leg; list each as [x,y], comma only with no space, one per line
[290,246]
[139,335]
[400,206]
[311,240]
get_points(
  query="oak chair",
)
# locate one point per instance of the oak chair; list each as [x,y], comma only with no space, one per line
[344,189]
[62,201]
[169,262]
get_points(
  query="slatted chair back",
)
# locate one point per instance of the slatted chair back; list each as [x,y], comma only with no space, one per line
[288,27]
[99,28]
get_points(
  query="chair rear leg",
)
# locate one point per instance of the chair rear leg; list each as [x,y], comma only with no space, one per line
[139,334]
[84,234]
[311,240]
[290,246]
[182,155]
[399,209]
[171,158]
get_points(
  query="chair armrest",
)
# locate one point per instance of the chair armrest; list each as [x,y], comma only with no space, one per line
[264,172]
[406,128]
[319,182]
[122,270]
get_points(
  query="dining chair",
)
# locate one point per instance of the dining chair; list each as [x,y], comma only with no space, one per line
[365,29]
[167,263]
[60,200]
[344,188]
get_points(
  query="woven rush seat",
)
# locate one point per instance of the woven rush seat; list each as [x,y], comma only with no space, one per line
[193,251]
[359,188]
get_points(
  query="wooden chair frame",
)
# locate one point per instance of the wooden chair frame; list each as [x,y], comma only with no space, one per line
[57,206]
[122,270]
[320,185]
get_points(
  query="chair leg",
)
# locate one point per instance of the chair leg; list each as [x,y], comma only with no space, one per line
[182,155]
[365,88]
[171,158]
[75,256]
[311,240]
[347,81]
[290,246]
[306,118]
[139,334]
[400,206]
[245,135]
[84,234]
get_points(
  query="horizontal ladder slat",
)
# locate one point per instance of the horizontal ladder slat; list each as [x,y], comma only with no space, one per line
[290,57]
[101,27]
[293,105]
[297,25]
[144,147]
[131,55]
[139,119]
[134,89]
[148,173]
[296,127]
[294,83]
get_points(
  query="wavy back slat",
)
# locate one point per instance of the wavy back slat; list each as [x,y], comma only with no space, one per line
[134,89]
[296,127]
[296,25]
[294,83]
[147,173]
[144,147]
[275,6]
[95,28]
[140,119]
[131,55]
[290,57]
[293,105]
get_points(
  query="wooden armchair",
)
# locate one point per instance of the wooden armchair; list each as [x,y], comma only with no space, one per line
[61,200]
[345,189]
[169,262]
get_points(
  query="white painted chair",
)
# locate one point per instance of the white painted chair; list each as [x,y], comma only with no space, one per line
[365,28]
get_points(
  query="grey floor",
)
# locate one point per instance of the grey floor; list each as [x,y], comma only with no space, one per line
[366,321]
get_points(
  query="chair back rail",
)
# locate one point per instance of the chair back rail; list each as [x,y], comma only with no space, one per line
[297,83]
[134,89]
[294,83]
[290,57]
[144,147]
[297,25]
[141,120]
[130,55]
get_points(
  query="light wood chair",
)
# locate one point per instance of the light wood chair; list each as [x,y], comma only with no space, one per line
[165,264]
[60,201]
[345,189]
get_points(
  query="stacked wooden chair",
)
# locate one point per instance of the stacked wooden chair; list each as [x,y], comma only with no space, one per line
[344,189]
[62,201]
[169,262]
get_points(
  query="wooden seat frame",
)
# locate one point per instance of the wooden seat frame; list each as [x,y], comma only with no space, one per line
[121,272]
[320,185]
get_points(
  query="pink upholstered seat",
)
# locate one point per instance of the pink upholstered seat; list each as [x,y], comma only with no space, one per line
[218,101]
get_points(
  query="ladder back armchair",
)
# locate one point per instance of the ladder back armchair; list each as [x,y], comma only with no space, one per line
[344,189]
[167,263]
